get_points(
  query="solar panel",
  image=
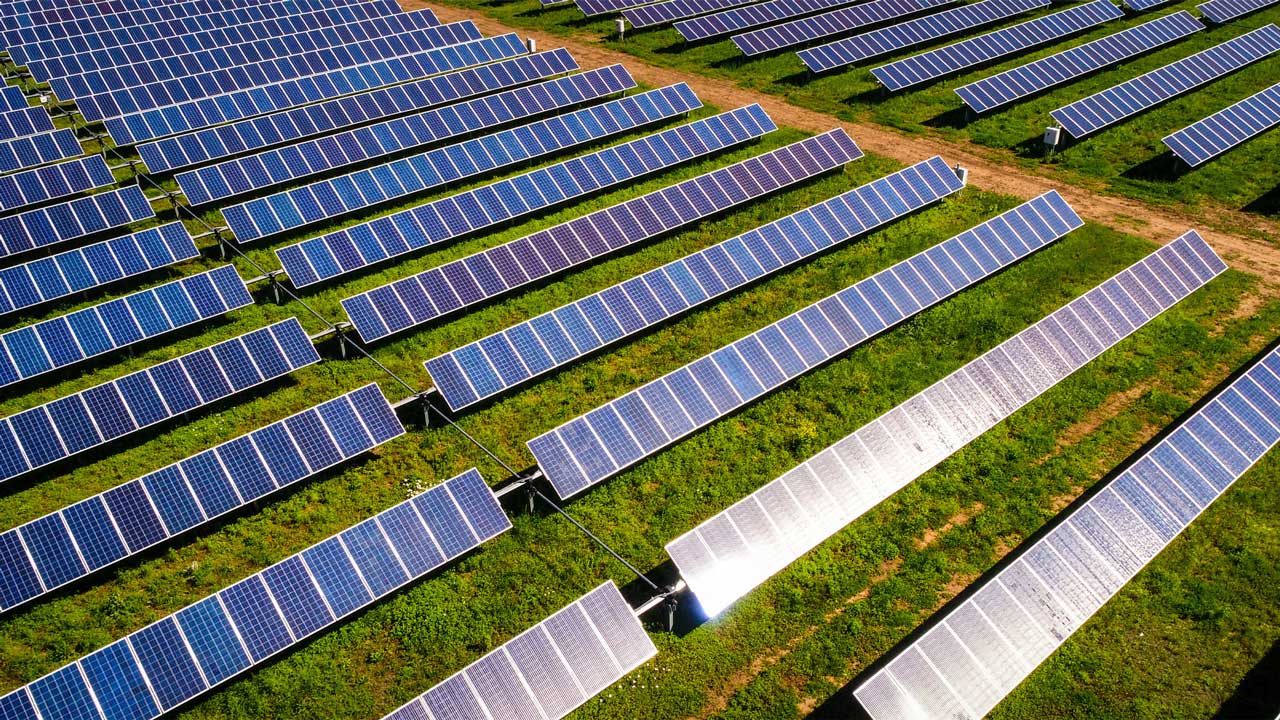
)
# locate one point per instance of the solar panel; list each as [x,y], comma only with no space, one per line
[729,554]
[432,45]
[1202,141]
[1129,98]
[52,182]
[1026,80]
[981,649]
[156,123]
[437,168]
[1141,5]
[94,331]
[548,670]
[273,167]
[1221,11]
[350,249]
[182,656]
[256,133]
[143,513]
[975,51]
[21,123]
[671,10]
[251,60]
[59,276]
[914,32]
[33,150]
[593,447]
[468,281]
[48,433]
[591,8]
[72,219]
[764,13]
[836,22]
[12,98]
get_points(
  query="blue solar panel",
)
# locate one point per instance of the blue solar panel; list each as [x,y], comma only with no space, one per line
[329,198]
[1020,82]
[33,150]
[311,50]
[58,276]
[72,219]
[765,13]
[52,182]
[142,513]
[671,10]
[367,143]
[256,618]
[493,272]
[11,98]
[99,329]
[836,22]
[260,132]
[1146,91]
[1202,141]
[1069,573]
[975,51]
[90,418]
[802,508]
[362,245]
[1141,5]
[428,45]
[914,32]
[1221,11]
[183,117]
[595,446]
[601,7]
[20,123]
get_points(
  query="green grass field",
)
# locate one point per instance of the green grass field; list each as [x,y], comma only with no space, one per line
[1208,602]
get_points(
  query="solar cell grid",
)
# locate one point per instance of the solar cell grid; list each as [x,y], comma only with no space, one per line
[914,32]
[436,168]
[595,446]
[347,250]
[471,280]
[264,614]
[51,182]
[671,10]
[975,51]
[1145,91]
[21,123]
[33,150]
[72,219]
[1202,141]
[48,433]
[12,98]
[300,160]
[998,90]
[764,13]
[260,132]
[591,8]
[836,22]
[1141,5]
[156,123]
[1222,11]
[820,496]
[181,496]
[1062,578]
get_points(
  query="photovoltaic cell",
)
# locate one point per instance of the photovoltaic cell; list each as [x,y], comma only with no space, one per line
[548,670]
[312,157]
[51,182]
[257,133]
[591,8]
[1101,545]
[975,51]
[836,22]
[27,152]
[671,10]
[1141,5]
[1202,141]
[267,613]
[488,274]
[24,122]
[1145,91]
[992,92]
[359,246]
[738,19]
[914,32]
[72,219]
[125,520]
[856,473]
[1221,11]
[48,433]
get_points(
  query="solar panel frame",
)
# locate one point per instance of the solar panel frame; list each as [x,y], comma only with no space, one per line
[1226,129]
[1224,11]
[33,150]
[73,219]
[32,439]
[1012,85]
[836,22]
[245,624]
[52,182]
[258,133]
[848,478]
[1100,554]
[317,260]
[189,493]
[1107,107]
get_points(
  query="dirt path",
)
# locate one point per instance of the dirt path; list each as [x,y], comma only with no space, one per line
[1247,254]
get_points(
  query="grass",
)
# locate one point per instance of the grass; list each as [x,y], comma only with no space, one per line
[368,665]
[1127,159]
